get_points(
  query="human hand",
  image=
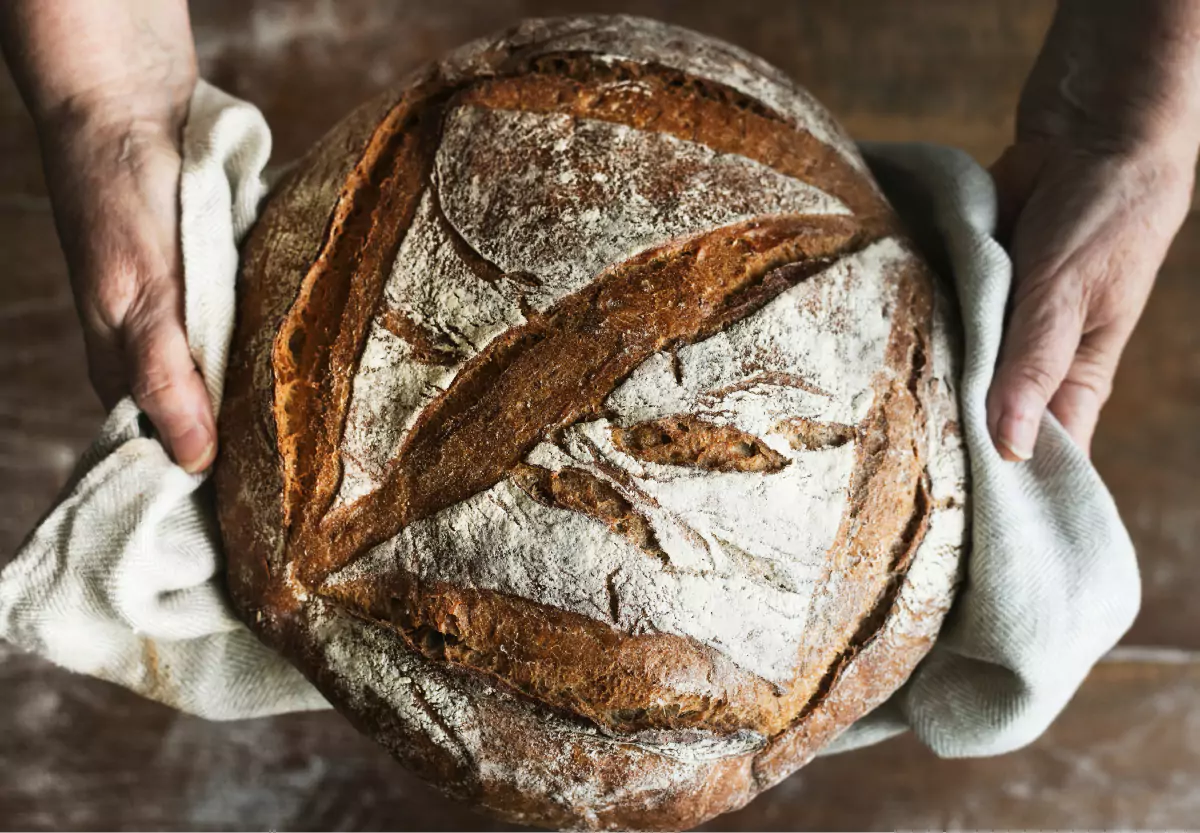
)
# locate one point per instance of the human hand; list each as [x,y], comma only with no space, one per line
[1091,230]
[115,191]
[1091,193]
[108,84]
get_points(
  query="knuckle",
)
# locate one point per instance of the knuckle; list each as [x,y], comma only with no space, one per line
[1051,306]
[161,367]
[166,395]
[1092,376]
[153,297]
[116,278]
[112,294]
[150,324]
[154,384]
[1077,408]
[118,290]
[1039,378]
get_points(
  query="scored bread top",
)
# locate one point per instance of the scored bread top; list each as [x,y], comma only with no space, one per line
[587,387]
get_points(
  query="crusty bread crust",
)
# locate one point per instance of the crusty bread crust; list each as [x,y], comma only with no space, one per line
[538,713]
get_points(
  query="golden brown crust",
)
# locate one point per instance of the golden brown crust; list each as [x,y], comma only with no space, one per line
[663,100]
[557,700]
[320,341]
[543,645]
[687,440]
[572,357]
[278,252]
[561,775]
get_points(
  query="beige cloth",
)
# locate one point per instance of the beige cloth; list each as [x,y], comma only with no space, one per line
[122,580]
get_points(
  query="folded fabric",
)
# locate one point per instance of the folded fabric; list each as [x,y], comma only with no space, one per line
[1052,580]
[123,579]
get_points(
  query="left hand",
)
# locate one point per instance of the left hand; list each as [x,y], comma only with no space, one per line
[108,84]
[1089,231]
[1092,191]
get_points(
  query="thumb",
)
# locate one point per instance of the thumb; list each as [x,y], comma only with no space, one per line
[165,381]
[1039,346]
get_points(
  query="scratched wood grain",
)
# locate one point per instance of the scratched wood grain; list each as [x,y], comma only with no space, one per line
[1125,753]
[1147,448]
[938,70]
[82,754]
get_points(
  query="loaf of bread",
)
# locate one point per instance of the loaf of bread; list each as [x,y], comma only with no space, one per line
[589,437]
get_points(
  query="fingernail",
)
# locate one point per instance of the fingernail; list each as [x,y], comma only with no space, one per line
[1017,433]
[193,449]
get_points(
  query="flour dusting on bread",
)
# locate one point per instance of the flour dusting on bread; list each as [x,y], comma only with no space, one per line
[617,419]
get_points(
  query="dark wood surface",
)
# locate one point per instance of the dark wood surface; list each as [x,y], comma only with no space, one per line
[76,753]
[1125,754]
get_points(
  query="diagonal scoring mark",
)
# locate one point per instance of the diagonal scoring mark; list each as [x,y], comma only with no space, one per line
[322,336]
[658,99]
[576,490]
[560,365]
[427,346]
[324,332]
[688,440]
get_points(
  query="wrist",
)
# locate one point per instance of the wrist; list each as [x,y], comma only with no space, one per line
[101,63]
[1117,75]
[115,114]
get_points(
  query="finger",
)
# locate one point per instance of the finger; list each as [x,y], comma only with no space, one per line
[1087,386]
[166,383]
[1077,407]
[1038,349]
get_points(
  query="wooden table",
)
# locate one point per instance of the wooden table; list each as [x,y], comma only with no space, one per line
[76,753]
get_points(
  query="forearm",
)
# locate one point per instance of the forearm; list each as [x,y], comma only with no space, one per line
[1120,72]
[108,83]
[129,60]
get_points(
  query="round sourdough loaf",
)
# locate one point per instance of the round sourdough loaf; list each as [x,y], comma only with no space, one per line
[589,435]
